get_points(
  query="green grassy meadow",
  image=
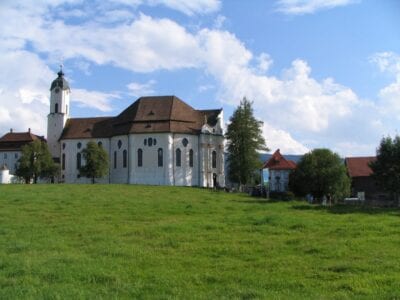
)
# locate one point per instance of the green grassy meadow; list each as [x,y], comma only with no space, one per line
[121,241]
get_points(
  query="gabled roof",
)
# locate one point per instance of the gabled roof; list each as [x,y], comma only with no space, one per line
[145,115]
[359,166]
[279,162]
[15,140]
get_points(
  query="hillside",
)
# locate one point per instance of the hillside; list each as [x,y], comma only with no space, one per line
[120,241]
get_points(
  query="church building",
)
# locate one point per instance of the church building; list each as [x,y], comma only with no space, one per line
[157,140]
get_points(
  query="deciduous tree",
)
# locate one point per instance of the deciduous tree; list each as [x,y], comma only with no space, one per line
[35,162]
[96,161]
[320,172]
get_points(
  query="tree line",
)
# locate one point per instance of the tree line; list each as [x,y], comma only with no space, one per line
[319,172]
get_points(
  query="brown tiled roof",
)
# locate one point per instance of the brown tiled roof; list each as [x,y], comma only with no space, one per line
[15,140]
[359,166]
[87,128]
[145,115]
[278,162]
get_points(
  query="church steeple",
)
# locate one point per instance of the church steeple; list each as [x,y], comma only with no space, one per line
[59,112]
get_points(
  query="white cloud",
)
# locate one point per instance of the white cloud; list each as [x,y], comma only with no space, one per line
[280,139]
[190,7]
[93,99]
[300,7]
[389,96]
[141,89]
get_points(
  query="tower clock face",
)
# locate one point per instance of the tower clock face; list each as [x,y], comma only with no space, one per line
[57,90]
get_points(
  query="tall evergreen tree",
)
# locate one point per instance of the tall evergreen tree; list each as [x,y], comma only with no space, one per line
[386,168]
[35,162]
[96,161]
[244,135]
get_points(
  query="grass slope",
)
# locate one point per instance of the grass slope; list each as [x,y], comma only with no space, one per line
[120,241]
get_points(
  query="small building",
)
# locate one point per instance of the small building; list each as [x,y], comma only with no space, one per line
[363,186]
[277,169]
[11,147]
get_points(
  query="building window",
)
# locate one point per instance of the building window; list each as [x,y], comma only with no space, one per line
[79,145]
[56,108]
[78,160]
[119,144]
[63,161]
[124,158]
[140,157]
[115,159]
[185,142]
[63,146]
[5,155]
[160,157]
[154,142]
[191,158]
[214,159]
[150,142]
[178,157]
[16,155]
[100,144]
[145,142]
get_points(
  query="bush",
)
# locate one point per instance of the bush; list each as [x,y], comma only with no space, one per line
[285,196]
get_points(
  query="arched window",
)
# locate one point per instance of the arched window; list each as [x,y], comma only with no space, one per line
[140,157]
[214,159]
[160,157]
[124,158]
[191,158]
[56,108]
[63,161]
[119,144]
[178,157]
[115,159]
[78,160]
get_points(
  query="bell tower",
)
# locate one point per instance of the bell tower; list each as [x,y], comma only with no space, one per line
[59,112]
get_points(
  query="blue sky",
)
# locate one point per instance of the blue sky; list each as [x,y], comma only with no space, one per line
[319,73]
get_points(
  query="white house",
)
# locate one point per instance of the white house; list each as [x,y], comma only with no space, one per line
[157,140]
[10,151]
[278,169]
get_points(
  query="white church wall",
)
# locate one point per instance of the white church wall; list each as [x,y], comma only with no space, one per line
[118,170]
[186,175]
[150,172]
[10,159]
[70,172]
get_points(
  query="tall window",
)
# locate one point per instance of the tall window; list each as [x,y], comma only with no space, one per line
[191,158]
[140,157]
[56,108]
[178,157]
[124,158]
[115,159]
[63,161]
[214,159]
[78,160]
[160,157]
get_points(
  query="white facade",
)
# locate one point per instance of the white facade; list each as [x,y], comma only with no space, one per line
[279,180]
[196,166]
[10,159]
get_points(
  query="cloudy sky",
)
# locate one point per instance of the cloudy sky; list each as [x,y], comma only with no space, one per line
[321,73]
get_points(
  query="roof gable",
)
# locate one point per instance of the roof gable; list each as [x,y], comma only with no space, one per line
[279,162]
[359,166]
